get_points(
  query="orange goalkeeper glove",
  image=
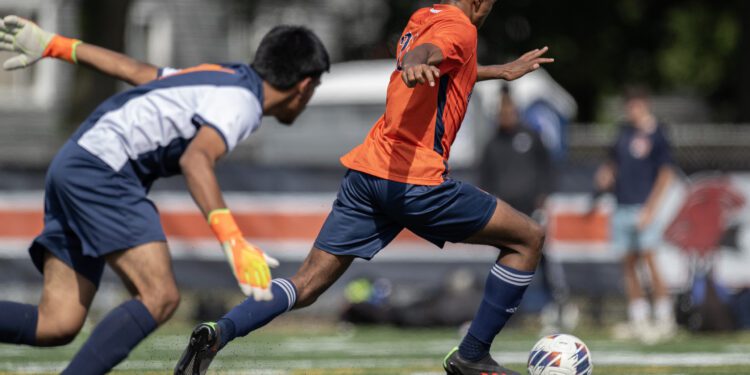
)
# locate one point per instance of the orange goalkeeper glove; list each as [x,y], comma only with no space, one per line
[249,264]
[31,43]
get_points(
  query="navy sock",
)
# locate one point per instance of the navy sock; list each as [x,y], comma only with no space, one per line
[502,295]
[113,339]
[18,323]
[251,314]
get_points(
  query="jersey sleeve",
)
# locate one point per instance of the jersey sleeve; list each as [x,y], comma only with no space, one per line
[234,112]
[456,40]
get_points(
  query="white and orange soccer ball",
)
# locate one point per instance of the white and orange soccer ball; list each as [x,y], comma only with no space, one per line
[560,355]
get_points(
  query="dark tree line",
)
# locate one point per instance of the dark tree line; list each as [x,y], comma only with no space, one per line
[695,47]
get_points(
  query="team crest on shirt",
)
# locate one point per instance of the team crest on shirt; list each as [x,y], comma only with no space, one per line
[640,146]
[403,46]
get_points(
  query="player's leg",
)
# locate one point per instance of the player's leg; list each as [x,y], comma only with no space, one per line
[627,240]
[520,241]
[148,270]
[319,271]
[519,238]
[66,297]
[355,228]
[457,212]
[651,239]
[639,309]
[633,288]
[658,287]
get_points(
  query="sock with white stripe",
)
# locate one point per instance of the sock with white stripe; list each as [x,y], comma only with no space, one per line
[251,314]
[502,295]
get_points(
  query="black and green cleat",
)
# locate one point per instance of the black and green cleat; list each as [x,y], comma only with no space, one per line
[455,365]
[200,351]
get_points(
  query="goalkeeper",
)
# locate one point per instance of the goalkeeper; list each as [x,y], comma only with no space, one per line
[96,206]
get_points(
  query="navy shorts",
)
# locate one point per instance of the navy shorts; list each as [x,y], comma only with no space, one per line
[369,212]
[91,210]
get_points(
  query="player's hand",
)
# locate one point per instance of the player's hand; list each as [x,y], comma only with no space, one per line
[525,64]
[645,217]
[419,74]
[249,264]
[24,37]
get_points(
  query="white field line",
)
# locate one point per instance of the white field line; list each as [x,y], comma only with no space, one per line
[241,364]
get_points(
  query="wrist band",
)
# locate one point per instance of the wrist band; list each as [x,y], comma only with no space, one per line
[223,225]
[62,48]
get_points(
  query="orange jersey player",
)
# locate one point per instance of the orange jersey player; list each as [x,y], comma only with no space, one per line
[411,142]
[398,178]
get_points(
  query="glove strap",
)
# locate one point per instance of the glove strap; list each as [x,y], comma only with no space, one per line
[62,48]
[223,225]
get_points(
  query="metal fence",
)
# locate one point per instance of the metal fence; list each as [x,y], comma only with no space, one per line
[696,147]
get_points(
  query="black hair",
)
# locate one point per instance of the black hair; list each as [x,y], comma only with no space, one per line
[637,92]
[289,54]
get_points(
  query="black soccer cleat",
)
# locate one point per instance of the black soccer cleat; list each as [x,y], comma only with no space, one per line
[455,365]
[201,350]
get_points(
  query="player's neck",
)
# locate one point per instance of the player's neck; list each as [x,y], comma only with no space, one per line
[272,98]
[460,5]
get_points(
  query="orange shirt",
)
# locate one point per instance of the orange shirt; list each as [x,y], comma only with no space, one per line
[411,142]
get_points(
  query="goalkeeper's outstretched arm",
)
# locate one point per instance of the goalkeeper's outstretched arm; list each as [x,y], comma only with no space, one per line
[32,43]
[249,264]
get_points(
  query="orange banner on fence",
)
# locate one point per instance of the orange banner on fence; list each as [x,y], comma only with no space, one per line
[575,227]
[18,223]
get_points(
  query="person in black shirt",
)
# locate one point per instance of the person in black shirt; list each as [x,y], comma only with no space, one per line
[516,167]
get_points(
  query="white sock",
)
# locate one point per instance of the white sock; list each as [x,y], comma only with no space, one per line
[663,311]
[639,311]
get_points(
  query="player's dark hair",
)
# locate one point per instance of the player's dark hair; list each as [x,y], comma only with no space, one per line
[289,54]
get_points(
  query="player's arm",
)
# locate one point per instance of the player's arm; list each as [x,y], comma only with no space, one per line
[419,66]
[527,63]
[249,264]
[32,43]
[116,65]
[663,157]
[663,180]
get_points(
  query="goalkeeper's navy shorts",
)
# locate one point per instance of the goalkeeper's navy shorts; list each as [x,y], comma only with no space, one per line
[91,210]
[369,212]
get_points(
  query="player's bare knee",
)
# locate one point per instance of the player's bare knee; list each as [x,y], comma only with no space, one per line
[536,238]
[56,338]
[306,299]
[57,331]
[162,302]
[307,294]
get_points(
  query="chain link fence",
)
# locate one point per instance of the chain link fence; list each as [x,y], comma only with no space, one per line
[695,147]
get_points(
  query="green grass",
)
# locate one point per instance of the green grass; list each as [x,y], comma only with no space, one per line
[293,348]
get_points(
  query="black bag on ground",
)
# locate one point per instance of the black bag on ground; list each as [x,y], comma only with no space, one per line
[705,307]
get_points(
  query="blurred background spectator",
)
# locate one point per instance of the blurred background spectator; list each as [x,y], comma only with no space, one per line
[640,170]
[516,166]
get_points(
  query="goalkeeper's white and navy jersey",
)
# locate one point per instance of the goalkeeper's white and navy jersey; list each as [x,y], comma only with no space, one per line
[150,126]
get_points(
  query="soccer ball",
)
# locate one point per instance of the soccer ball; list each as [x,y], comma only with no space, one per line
[560,355]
